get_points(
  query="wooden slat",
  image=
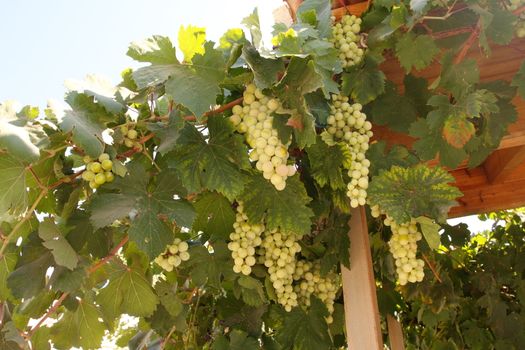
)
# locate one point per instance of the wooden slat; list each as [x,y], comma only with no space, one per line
[395,333]
[500,164]
[359,290]
[355,9]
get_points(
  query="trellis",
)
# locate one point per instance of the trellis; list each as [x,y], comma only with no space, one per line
[498,183]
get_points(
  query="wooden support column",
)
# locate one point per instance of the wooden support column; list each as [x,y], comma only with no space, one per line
[363,330]
[395,333]
[500,164]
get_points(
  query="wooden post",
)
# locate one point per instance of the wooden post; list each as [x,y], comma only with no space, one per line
[363,330]
[395,333]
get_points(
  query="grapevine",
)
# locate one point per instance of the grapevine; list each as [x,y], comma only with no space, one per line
[255,120]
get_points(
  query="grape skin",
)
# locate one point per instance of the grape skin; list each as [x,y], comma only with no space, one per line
[98,172]
[348,124]
[173,255]
[403,246]
[346,38]
[254,119]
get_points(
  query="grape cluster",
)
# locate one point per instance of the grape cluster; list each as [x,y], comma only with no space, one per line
[277,253]
[348,124]
[403,246]
[520,25]
[98,172]
[174,255]
[255,120]
[244,241]
[346,38]
[309,281]
[130,136]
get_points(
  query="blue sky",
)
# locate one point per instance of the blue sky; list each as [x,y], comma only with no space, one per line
[46,42]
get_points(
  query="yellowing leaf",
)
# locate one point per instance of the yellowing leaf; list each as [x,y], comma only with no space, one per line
[458,131]
[191,41]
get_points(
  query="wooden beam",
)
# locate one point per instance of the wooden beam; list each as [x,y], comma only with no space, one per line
[500,164]
[363,331]
[395,333]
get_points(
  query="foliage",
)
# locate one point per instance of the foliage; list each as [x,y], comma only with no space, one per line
[82,253]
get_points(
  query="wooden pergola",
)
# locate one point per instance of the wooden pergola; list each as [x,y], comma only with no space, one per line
[498,183]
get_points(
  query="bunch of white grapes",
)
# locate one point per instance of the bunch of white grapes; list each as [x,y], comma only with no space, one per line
[309,281]
[98,172]
[403,246]
[174,255]
[255,120]
[130,136]
[346,38]
[520,25]
[277,253]
[348,124]
[244,241]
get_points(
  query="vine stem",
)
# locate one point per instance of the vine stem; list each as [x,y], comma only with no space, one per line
[221,109]
[432,268]
[448,33]
[26,217]
[519,10]
[64,295]
[468,44]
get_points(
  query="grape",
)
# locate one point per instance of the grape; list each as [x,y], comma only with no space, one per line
[245,238]
[277,253]
[254,119]
[348,126]
[98,173]
[308,281]
[130,136]
[403,246]
[173,255]
[346,38]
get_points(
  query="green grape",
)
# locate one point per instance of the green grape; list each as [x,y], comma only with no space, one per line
[173,255]
[346,38]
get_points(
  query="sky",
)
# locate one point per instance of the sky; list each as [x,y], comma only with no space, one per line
[47,42]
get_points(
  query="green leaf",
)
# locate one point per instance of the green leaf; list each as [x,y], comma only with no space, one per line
[147,203]
[501,28]
[252,24]
[168,133]
[519,80]
[337,252]
[152,75]
[397,119]
[415,52]
[29,278]
[381,159]
[100,89]
[214,163]
[128,292]
[16,139]
[365,83]
[286,209]
[265,70]
[13,184]
[210,267]
[252,291]
[215,216]
[79,328]
[326,164]
[305,330]
[191,41]
[54,240]
[239,340]
[418,5]
[7,265]
[168,297]
[156,50]
[323,11]
[430,231]
[458,78]
[231,37]
[196,86]
[411,192]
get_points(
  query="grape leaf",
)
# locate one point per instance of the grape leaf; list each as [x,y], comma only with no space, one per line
[286,209]
[303,330]
[337,252]
[383,159]
[196,86]
[55,241]
[215,216]
[168,133]
[214,163]
[322,12]
[265,70]
[128,292]
[430,231]
[16,138]
[168,297]
[239,340]
[7,265]
[418,5]
[98,88]
[501,28]
[252,23]
[79,328]
[479,103]
[210,268]
[411,192]
[29,278]
[458,78]
[415,52]
[147,229]
[519,80]
[157,50]
[365,83]
[152,75]
[252,291]
[191,41]
[326,163]
[458,131]
[13,184]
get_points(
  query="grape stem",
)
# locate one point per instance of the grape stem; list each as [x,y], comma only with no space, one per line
[519,10]
[432,268]
[64,295]
[468,44]
[219,110]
